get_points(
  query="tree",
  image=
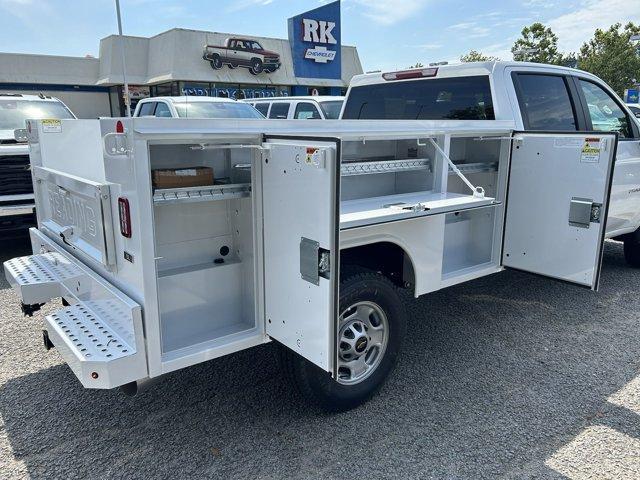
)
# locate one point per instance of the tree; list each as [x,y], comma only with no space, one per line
[538,44]
[475,56]
[612,56]
[417,65]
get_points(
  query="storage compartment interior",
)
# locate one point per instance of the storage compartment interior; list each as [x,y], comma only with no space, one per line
[468,240]
[204,240]
[385,179]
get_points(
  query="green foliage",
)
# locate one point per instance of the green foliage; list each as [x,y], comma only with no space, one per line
[538,44]
[475,56]
[612,56]
[417,65]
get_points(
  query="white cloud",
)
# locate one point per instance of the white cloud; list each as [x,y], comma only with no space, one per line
[244,4]
[427,46]
[390,12]
[471,29]
[574,28]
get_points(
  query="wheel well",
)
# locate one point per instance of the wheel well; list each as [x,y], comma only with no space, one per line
[385,257]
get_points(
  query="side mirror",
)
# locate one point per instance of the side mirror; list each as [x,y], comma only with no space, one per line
[20,135]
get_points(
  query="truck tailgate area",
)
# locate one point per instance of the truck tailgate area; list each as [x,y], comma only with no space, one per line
[100,333]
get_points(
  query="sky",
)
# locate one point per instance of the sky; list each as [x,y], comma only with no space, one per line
[389,34]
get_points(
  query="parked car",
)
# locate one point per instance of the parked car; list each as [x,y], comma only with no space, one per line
[17,207]
[242,52]
[194,107]
[536,97]
[635,108]
[299,108]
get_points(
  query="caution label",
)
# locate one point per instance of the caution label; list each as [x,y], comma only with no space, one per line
[312,156]
[590,152]
[51,125]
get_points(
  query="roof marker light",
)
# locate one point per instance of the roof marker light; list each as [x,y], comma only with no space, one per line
[406,74]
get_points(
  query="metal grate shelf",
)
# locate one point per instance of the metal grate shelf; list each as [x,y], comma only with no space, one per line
[384,166]
[201,194]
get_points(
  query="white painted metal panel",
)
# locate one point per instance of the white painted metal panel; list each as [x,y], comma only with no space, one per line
[299,201]
[547,172]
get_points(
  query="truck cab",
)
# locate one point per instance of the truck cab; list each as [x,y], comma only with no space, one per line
[535,97]
[16,187]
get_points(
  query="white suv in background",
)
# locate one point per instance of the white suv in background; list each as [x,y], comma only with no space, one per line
[299,108]
[194,107]
[17,205]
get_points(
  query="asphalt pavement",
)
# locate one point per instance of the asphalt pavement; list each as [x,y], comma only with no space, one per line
[509,376]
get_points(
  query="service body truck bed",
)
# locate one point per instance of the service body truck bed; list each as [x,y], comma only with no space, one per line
[308,237]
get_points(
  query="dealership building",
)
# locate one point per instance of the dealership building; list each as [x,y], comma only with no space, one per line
[181,62]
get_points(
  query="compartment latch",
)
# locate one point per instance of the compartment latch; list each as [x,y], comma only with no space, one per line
[583,211]
[315,262]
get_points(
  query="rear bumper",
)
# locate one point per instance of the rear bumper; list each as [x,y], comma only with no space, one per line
[99,335]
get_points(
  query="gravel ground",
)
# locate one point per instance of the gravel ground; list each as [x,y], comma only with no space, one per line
[510,376]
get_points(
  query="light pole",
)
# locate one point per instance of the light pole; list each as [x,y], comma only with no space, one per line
[127,100]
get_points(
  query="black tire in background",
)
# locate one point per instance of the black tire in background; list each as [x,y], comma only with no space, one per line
[216,62]
[256,66]
[316,385]
[632,249]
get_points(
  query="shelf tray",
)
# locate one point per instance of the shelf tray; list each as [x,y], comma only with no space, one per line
[476,167]
[201,194]
[384,166]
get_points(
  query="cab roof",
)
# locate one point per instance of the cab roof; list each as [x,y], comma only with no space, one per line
[190,99]
[316,98]
[463,70]
[29,98]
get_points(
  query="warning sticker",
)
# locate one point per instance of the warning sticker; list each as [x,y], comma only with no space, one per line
[312,156]
[590,152]
[51,125]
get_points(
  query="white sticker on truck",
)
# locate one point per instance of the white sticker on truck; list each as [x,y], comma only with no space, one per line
[51,125]
[590,150]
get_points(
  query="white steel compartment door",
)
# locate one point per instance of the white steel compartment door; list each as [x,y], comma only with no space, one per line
[557,202]
[299,195]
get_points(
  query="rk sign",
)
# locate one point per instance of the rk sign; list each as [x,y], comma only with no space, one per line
[315,42]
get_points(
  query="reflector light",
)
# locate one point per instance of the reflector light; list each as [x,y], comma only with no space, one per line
[406,74]
[119,127]
[125,217]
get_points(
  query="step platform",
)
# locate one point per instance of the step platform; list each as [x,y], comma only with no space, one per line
[100,333]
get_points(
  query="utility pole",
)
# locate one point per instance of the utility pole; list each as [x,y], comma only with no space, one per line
[127,99]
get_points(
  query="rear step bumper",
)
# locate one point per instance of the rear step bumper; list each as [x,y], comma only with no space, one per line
[100,333]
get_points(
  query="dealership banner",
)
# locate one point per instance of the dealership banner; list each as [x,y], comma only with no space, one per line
[314,37]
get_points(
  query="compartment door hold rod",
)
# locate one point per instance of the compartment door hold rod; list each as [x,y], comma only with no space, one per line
[478,192]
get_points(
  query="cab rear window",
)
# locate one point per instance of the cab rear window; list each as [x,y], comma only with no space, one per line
[459,98]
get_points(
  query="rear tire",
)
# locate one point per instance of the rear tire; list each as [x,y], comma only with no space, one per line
[632,249]
[371,329]
[216,62]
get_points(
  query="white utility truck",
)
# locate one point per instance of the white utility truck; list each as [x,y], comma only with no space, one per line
[534,96]
[305,233]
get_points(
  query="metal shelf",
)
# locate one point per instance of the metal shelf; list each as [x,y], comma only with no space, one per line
[476,167]
[384,166]
[201,194]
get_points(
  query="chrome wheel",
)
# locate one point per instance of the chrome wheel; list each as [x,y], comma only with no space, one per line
[362,341]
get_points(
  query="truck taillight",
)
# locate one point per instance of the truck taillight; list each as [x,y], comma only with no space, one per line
[415,73]
[119,127]
[125,217]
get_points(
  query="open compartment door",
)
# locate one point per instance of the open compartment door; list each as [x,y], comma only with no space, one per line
[557,202]
[300,188]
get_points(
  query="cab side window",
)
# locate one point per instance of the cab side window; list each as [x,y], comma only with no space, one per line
[545,102]
[162,110]
[279,110]
[262,107]
[306,110]
[605,113]
[147,109]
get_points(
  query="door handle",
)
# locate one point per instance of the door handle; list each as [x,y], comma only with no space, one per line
[583,212]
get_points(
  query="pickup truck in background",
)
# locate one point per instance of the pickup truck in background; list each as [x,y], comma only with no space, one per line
[16,188]
[242,52]
[536,97]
